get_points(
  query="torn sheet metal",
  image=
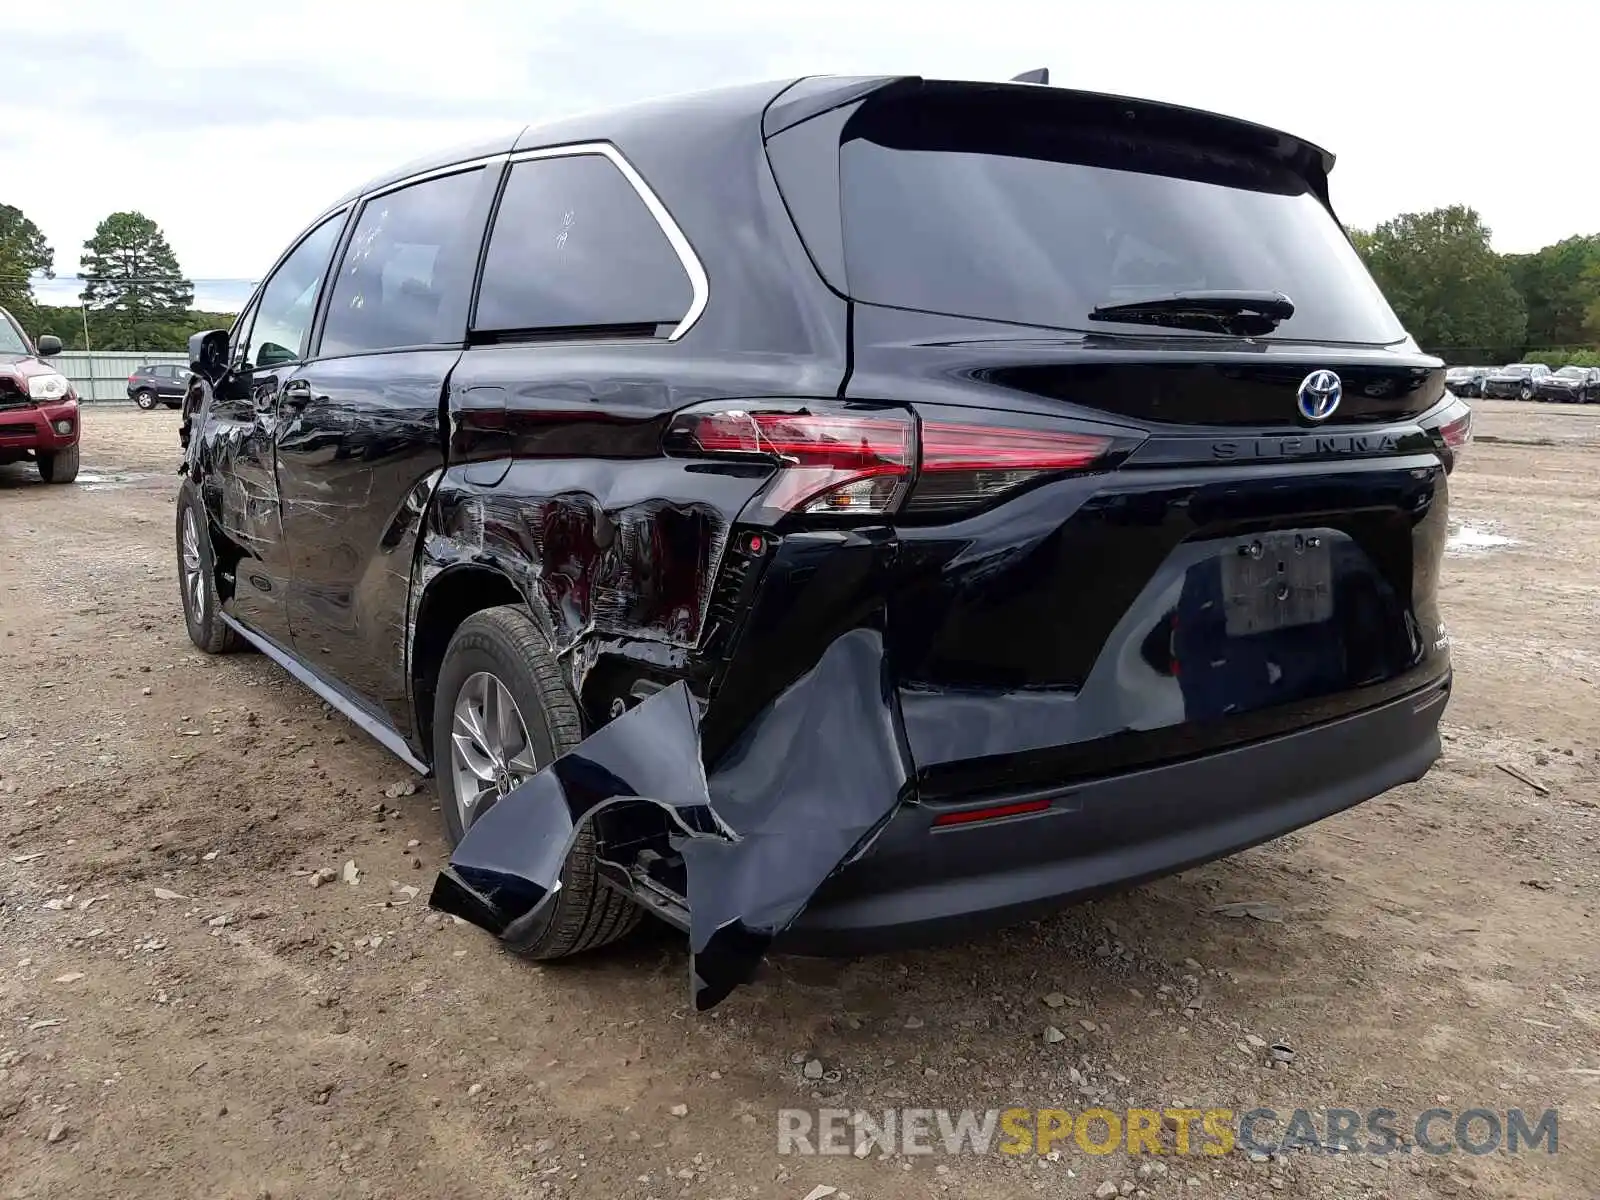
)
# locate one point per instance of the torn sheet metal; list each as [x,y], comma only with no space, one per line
[787,806]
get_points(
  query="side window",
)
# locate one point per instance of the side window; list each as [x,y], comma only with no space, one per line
[575,246]
[407,275]
[289,298]
[239,336]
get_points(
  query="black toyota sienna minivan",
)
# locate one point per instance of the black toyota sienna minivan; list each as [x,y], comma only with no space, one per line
[838,511]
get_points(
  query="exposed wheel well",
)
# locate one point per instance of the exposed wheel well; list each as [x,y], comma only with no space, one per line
[449,599]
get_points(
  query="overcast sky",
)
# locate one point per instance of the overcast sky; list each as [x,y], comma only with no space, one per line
[232,124]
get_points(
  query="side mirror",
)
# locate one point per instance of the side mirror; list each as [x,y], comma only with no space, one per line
[47,344]
[208,354]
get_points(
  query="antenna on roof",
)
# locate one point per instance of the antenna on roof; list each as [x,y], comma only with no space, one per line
[1040,76]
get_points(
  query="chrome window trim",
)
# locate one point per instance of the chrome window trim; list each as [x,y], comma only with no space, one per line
[471,164]
[698,283]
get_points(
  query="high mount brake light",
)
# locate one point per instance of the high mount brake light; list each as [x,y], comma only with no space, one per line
[863,462]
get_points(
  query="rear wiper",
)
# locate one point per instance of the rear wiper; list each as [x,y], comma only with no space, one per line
[1239,314]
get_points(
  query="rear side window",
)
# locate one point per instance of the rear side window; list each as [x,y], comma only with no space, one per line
[575,247]
[406,276]
[1016,209]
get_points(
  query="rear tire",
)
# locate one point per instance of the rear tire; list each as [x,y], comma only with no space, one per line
[145,399]
[197,578]
[506,646]
[61,466]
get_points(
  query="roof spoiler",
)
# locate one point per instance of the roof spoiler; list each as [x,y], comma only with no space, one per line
[817,94]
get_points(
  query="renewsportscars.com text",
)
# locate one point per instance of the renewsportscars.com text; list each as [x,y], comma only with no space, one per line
[1172,1131]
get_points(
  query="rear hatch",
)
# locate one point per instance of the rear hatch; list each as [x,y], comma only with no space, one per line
[1245,557]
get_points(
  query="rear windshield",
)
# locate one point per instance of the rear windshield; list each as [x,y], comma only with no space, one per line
[955,207]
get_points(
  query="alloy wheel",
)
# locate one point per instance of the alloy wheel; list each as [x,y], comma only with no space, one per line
[194,580]
[490,751]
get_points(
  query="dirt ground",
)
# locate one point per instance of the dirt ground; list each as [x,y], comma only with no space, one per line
[183,1014]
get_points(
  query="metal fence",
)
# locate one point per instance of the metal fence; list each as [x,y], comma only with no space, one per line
[104,376]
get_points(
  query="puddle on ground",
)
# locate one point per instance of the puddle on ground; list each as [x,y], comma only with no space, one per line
[1473,539]
[110,477]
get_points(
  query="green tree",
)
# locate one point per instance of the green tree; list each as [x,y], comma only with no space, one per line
[1559,285]
[1591,326]
[134,289]
[1452,292]
[23,251]
[66,322]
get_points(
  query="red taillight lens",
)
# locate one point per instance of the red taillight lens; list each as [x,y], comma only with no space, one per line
[1456,434]
[846,463]
[964,465]
[860,460]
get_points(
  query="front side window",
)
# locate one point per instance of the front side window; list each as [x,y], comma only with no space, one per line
[289,299]
[239,335]
[406,277]
[574,247]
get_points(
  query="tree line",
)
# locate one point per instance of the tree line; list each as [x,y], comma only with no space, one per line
[1472,306]
[1456,295]
[135,296]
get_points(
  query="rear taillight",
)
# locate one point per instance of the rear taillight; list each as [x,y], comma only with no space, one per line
[964,465]
[845,462]
[861,460]
[1453,434]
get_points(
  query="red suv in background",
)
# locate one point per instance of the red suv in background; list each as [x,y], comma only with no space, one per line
[38,407]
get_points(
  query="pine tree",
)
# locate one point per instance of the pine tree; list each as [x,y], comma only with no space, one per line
[23,251]
[133,283]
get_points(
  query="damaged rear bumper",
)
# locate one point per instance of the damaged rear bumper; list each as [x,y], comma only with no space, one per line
[805,790]
[808,834]
[922,883]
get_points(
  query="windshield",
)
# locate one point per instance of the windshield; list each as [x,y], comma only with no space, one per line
[1570,373]
[1030,217]
[1458,372]
[1517,369]
[11,339]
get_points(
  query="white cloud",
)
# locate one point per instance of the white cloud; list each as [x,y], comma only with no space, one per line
[232,125]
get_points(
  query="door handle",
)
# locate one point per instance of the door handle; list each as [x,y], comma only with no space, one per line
[296,394]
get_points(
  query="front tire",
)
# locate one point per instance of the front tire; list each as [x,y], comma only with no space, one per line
[1527,391]
[502,712]
[145,399]
[60,466]
[197,578]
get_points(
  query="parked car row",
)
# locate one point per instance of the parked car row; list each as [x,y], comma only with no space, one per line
[1527,381]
